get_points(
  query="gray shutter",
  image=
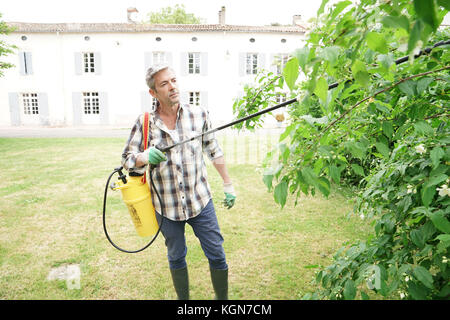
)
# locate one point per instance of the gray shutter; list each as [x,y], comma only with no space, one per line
[76,103]
[184,64]
[104,107]
[261,61]
[98,63]
[147,60]
[204,63]
[184,97]
[22,63]
[78,63]
[29,62]
[44,114]
[241,64]
[204,99]
[14,108]
[169,58]
[146,101]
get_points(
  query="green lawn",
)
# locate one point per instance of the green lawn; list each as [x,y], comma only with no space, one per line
[50,215]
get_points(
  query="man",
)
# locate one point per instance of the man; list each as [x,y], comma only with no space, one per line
[180,178]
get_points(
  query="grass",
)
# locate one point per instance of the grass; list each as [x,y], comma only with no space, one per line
[50,215]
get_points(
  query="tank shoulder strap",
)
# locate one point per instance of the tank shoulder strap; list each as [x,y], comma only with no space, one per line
[146,126]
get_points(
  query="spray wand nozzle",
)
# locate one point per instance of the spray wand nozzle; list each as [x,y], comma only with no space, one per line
[121,175]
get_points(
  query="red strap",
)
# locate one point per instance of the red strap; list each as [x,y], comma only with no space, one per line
[145,134]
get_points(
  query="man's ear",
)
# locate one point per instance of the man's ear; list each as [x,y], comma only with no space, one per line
[152,92]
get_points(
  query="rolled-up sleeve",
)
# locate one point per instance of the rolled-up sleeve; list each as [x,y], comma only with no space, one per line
[133,147]
[210,144]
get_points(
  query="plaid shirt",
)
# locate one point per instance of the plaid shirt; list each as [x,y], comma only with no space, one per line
[181,181]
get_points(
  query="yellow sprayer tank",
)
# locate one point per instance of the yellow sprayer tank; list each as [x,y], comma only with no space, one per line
[137,197]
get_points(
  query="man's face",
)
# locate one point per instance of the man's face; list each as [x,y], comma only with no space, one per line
[166,88]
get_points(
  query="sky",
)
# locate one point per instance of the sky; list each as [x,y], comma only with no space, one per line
[238,12]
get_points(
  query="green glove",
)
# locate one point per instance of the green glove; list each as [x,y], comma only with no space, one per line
[154,155]
[230,195]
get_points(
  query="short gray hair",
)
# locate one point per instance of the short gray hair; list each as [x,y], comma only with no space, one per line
[150,76]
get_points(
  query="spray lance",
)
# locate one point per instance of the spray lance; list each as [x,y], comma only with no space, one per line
[136,190]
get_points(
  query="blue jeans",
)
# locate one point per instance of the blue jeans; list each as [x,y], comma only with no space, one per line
[206,229]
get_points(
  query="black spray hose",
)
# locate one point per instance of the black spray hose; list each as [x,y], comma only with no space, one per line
[118,170]
[288,102]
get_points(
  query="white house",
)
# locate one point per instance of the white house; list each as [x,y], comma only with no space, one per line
[94,73]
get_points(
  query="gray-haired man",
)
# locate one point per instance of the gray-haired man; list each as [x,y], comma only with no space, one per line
[180,178]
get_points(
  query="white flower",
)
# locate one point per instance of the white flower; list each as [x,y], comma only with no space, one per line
[443,190]
[444,259]
[402,295]
[420,149]
[406,278]
[410,188]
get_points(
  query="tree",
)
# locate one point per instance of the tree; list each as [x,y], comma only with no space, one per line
[383,130]
[176,15]
[5,49]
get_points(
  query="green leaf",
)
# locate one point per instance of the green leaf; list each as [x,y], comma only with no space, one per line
[444,3]
[290,72]
[388,129]
[423,84]
[322,7]
[324,186]
[427,195]
[417,238]
[396,22]
[426,10]
[436,154]
[422,127]
[335,173]
[280,193]
[360,73]
[302,56]
[383,149]
[408,87]
[440,221]
[377,42]
[321,89]
[414,35]
[267,179]
[349,290]
[424,276]
[358,169]
[331,54]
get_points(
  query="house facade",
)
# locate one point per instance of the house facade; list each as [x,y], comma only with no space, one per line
[75,74]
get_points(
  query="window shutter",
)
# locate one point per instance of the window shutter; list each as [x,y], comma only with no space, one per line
[78,63]
[184,64]
[204,64]
[44,114]
[14,108]
[98,63]
[29,62]
[147,60]
[22,63]
[261,61]
[104,107]
[184,97]
[204,99]
[146,101]
[241,64]
[76,103]
[169,58]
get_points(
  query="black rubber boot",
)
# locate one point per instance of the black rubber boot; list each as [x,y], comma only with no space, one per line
[180,280]
[219,279]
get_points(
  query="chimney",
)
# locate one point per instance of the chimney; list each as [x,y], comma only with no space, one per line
[297,20]
[222,16]
[132,15]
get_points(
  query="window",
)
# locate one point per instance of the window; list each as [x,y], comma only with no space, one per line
[280,61]
[251,65]
[194,98]
[88,62]
[159,57]
[30,103]
[194,62]
[91,103]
